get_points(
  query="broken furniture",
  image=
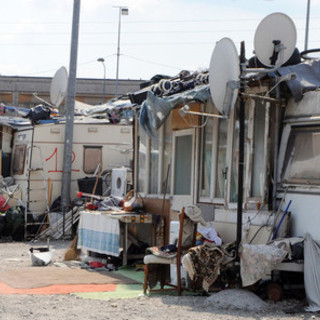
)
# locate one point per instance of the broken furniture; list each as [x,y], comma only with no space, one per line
[155,264]
[275,288]
[103,231]
[281,260]
[289,274]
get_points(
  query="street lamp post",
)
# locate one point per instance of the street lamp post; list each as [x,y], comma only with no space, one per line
[122,11]
[104,79]
[306,39]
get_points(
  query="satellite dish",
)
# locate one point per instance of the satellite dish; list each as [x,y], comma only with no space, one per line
[224,69]
[58,89]
[275,27]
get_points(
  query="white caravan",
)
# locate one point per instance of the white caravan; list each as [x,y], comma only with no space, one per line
[37,156]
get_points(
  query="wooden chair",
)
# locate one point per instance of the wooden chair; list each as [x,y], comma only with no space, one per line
[153,260]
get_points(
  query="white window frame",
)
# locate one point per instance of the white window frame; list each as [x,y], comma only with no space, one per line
[303,184]
[250,155]
[212,198]
[249,159]
[146,192]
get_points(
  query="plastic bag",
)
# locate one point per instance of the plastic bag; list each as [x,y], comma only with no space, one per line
[39,112]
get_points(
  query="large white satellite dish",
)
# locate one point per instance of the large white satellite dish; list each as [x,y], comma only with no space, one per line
[275,27]
[59,84]
[224,69]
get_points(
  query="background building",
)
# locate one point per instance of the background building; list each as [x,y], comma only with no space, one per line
[20,91]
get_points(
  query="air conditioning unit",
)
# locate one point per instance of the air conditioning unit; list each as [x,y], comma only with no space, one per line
[120,178]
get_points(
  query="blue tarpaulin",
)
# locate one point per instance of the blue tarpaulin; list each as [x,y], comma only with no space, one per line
[155,110]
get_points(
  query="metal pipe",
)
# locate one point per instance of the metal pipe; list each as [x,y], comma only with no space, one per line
[184,111]
[256,96]
[276,147]
[306,39]
[241,145]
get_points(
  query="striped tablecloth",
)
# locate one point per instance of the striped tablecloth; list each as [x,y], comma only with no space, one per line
[99,232]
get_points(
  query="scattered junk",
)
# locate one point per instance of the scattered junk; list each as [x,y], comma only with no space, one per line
[32,150]
[242,148]
[41,256]
[242,142]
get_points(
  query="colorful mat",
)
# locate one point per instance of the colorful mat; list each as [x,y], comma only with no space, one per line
[128,279]
[59,289]
[37,277]
[120,290]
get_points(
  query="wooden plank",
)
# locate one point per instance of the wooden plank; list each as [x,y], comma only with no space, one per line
[154,205]
[179,123]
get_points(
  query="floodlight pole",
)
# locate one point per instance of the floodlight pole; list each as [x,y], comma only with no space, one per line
[122,11]
[306,39]
[69,114]
[241,144]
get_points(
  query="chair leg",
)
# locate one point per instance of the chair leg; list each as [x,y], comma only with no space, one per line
[162,283]
[179,278]
[145,283]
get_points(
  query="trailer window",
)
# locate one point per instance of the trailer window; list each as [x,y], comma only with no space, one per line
[154,165]
[167,152]
[235,154]
[221,159]
[19,159]
[92,157]
[183,163]
[301,164]
[142,160]
[259,153]
[206,159]
[155,160]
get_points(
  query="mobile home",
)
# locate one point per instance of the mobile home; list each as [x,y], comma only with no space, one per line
[192,158]
[35,152]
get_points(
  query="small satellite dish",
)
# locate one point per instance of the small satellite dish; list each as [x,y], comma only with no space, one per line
[275,27]
[223,70]
[58,89]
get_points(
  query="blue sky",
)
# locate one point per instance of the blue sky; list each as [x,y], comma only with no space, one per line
[157,37]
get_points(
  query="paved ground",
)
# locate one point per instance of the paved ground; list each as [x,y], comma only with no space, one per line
[222,306]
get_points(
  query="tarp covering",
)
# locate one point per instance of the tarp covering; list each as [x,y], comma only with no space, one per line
[312,273]
[155,110]
[307,78]
[115,109]
[13,111]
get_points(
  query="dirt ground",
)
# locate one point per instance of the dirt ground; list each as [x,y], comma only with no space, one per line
[14,255]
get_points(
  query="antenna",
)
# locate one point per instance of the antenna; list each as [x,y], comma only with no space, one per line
[275,39]
[224,75]
[58,89]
